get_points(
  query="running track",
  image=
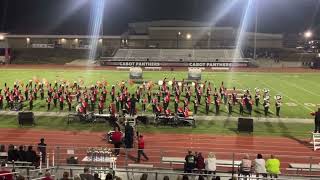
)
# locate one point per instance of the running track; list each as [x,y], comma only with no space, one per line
[288,150]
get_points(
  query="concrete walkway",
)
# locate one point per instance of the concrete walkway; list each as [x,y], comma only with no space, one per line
[205,118]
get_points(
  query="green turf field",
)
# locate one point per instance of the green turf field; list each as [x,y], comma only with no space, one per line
[300,91]
[290,130]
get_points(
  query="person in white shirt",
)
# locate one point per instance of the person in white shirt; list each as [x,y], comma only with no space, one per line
[245,166]
[260,166]
[210,164]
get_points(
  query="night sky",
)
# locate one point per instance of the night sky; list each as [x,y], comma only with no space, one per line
[73,16]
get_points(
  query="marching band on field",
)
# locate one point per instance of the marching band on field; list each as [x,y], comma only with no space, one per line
[158,96]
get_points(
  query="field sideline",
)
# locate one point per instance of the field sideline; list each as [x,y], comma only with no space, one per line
[299,90]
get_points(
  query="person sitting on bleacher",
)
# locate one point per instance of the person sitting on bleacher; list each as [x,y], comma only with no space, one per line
[4,170]
[31,156]
[273,166]
[21,153]
[12,153]
[200,163]
[190,162]
[260,166]
[211,164]
[245,166]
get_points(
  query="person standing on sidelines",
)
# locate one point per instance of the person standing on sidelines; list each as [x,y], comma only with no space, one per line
[141,148]
[117,141]
[316,121]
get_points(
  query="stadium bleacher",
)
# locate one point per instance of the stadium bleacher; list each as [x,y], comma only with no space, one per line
[177,54]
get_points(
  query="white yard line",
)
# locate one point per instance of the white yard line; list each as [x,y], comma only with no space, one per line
[301,88]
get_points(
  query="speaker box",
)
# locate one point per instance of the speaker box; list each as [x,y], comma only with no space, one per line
[245,125]
[25,118]
[142,119]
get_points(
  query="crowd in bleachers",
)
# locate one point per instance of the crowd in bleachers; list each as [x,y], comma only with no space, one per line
[177,54]
[262,53]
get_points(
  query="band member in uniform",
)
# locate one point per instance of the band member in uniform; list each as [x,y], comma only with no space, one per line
[41,92]
[195,105]
[257,97]
[144,102]
[118,102]
[55,98]
[100,107]
[61,100]
[26,92]
[234,96]
[30,102]
[266,105]
[1,100]
[112,93]
[35,91]
[230,105]
[278,105]
[217,105]
[208,102]
[316,121]
[149,96]
[49,102]
[69,101]
[241,103]
[176,104]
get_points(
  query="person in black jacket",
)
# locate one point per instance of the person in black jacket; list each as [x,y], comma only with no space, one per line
[316,121]
[31,155]
[42,148]
[21,154]
[12,153]
[128,135]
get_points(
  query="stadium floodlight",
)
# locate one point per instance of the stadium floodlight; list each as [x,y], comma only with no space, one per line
[63,40]
[319,55]
[308,34]
[2,37]
[100,40]
[179,33]
[189,36]
[76,40]
[28,40]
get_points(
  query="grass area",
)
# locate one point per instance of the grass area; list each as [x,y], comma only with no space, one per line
[299,90]
[291,130]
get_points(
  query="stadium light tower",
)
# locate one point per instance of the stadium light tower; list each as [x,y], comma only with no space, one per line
[308,34]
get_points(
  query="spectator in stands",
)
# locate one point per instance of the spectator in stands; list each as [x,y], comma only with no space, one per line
[96,176]
[65,176]
[109,176]
[166,178]
[210,164]
[4,170]
[118,178]
[31,156]
[260,166]
[273,166]
[190,162]
[117,140]
[245,166]
[141,148]
[200,163]
[21,154]
[200,177]
[86,174]
[2,148]
[20,177]
[76,177]
[185,177]
[47,176]
[42,148]
[217,178]
[144,176]
[12,153]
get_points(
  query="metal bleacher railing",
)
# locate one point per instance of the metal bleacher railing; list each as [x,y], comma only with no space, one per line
[166,160]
